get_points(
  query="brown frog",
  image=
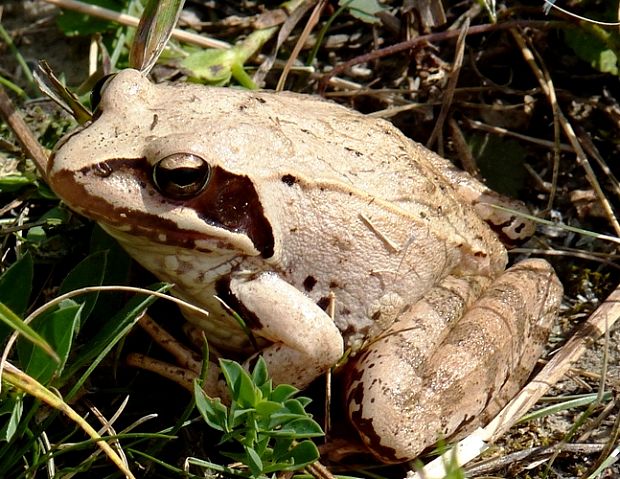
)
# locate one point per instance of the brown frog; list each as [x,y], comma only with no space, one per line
[276,203]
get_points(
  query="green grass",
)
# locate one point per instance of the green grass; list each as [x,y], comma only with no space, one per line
[70,352]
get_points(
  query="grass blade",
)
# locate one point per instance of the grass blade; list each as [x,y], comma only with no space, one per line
[154,30]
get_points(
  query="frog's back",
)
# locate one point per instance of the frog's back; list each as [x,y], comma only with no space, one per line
[325,147]
[337,156]
[278,134]
[332,201]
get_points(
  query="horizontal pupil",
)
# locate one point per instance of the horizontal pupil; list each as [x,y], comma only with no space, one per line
[183,176]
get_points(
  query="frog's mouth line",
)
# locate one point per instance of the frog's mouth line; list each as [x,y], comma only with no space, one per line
[228,203]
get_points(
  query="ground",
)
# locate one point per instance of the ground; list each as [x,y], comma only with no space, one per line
[494,96]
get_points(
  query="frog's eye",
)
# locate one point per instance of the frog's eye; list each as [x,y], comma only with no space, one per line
[98,89]
[181,175]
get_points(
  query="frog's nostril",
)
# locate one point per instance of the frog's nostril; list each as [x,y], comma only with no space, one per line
[181,175]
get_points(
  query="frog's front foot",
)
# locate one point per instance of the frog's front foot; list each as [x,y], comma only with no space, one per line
[403,397]
[188,363]
[304,342]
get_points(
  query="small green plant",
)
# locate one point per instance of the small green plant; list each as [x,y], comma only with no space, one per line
[270,424]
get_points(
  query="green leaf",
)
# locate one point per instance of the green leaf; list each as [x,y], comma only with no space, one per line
[303,454]
[240,383]
[294,406]
[594,49]
[266,408]
[156,25]
[240,416]
[11,406]
[58,328]
[261,446]
[253,462]
[304,427]
[54,216]
[259,374]
[211,66]
[73,23]
[15,181]
[213,411]
[16,285]
[278,422]
[113,330]
[9,318]
[89,272]
[116,271]
[282,392]
[281,448]
[363,10]
[267,430]
[36,235]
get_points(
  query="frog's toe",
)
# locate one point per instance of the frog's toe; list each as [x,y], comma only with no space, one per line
[188,365]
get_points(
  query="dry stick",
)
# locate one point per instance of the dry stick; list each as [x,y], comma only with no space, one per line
[533,453]
[319,471]
[550,4]
[21,131]
[467,160]
[130,21]
[433,37]
[590,148]
[610,445]
[449,93]
[294,15]
[497,130]
[312,21]
[108,429]
[599,322]
[547,85]
[544,79]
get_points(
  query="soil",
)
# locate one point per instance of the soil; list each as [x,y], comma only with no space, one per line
[495,87]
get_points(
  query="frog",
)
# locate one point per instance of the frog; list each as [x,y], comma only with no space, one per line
[328,233]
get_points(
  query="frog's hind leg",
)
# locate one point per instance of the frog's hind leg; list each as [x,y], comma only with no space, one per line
[402,398]
[507,222]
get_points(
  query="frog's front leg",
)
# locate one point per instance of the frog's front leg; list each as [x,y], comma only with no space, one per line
[306,342]
[402,398]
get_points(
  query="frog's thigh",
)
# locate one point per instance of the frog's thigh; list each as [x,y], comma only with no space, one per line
[306,341]
[512,228]
[401,406]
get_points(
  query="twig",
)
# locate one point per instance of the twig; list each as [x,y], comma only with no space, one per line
[312,21]
[130,21]
[449,92]
[430,38]
[487,467]
[464,154]
[547,85]
[549,5]
[21,381]
[590,147]
[319,471]
[4,35]
[497,130]
[22,133]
